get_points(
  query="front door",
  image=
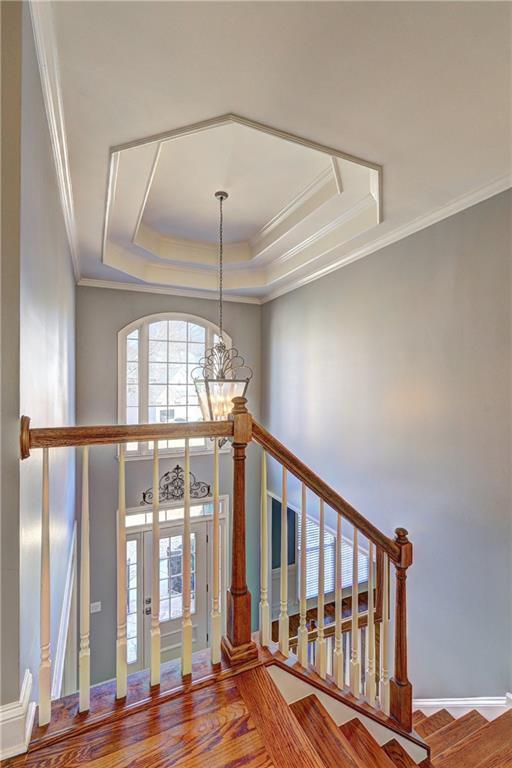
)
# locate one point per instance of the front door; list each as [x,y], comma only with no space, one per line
[171,589]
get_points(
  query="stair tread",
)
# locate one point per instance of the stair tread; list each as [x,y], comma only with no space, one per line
[478,749]
[454,732]
[331,745]
[500,759]
[398,755]
[368,750]
[417,717]
[284,739]
[434,723]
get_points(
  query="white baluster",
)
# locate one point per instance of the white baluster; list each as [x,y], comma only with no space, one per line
[302,644]
[155,575]
[370,682]
[355,663]
[339,664]
[84,657]
[264,605]
[121,659]
[384,640]
[321,650]
[284,632]
[186,641]
[45,665]
[216,615]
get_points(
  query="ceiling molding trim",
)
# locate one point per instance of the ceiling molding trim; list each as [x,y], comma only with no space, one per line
[230,117]
[457,205]
[364,204]
[47,58]
[87,282]
[149,184]
[294,204]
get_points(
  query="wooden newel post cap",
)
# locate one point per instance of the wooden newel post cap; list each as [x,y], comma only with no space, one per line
[401,536]
[239,405]
[25,437]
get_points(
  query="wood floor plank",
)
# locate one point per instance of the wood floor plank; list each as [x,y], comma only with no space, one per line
[397,754]
[434,723]
[500,759]
[368,750]
[331,745]
[454,732]
[479,746]
[284,738]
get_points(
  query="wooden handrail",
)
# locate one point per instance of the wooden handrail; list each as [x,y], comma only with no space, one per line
[322,490]
[57,437]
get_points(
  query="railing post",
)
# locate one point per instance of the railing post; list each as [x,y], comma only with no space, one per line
[237,644]
[400,687]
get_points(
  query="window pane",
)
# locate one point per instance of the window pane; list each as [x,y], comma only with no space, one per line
[132,395]
[132,373]
[177,373]
[177,395]
[177,352]
[157,395]
[195,352]
[157,373]
[132,415]
[178,330]
[132,349]
[158,351]
[158,330]
[196,333]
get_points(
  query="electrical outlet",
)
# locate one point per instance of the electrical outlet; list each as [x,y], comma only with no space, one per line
[95,607]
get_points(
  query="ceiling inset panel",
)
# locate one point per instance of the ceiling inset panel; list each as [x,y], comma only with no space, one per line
[290,202]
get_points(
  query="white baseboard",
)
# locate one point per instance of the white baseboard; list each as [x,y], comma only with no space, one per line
[488,706]
[16,721]
[60,649]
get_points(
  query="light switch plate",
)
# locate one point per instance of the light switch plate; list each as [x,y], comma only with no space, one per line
[95,607]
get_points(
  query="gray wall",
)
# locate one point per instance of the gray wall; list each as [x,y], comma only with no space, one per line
[391,377]
[47,359]
[101,313]
[10,15]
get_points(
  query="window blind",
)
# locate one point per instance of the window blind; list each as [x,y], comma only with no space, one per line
[312,560]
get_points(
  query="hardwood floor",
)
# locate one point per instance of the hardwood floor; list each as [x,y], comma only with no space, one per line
[209,726]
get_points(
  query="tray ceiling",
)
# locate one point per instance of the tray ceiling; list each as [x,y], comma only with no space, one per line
[289,201]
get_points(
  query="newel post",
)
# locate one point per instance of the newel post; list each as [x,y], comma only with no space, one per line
[237,645]
[400,687]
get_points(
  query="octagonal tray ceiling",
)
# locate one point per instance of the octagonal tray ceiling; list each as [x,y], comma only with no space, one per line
[291,202]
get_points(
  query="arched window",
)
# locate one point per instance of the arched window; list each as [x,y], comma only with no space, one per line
[156,357]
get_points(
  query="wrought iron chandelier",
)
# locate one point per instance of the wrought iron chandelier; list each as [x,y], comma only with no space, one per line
[222,373]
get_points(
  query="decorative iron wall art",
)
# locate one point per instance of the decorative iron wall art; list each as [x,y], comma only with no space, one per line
[172,487]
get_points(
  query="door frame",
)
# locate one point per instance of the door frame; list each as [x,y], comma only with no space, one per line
[135,532]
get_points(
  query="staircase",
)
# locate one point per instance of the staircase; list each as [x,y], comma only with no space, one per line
[224,707]
[244,720]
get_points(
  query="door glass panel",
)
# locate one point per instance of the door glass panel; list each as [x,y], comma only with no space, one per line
[131,603]
[171,576]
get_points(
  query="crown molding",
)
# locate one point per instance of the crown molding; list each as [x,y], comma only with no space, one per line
[48,62]
[86,282]
[456,205]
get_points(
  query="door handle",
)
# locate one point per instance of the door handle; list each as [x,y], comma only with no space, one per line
[147,610]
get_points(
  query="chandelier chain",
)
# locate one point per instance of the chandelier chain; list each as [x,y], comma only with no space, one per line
[221,254]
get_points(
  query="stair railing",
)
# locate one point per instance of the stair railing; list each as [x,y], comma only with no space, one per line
[371,679]
[365,677]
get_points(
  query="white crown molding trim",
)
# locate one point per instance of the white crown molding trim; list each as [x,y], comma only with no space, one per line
[457,205]
[87,282]
[16,721]
[295,203]
[60,651]
[47,57]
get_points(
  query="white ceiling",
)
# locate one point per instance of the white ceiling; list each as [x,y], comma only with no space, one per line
[422,89]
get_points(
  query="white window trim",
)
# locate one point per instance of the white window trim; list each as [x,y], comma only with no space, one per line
[142,323]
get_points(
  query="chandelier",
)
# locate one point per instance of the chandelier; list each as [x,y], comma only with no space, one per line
[222,373]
